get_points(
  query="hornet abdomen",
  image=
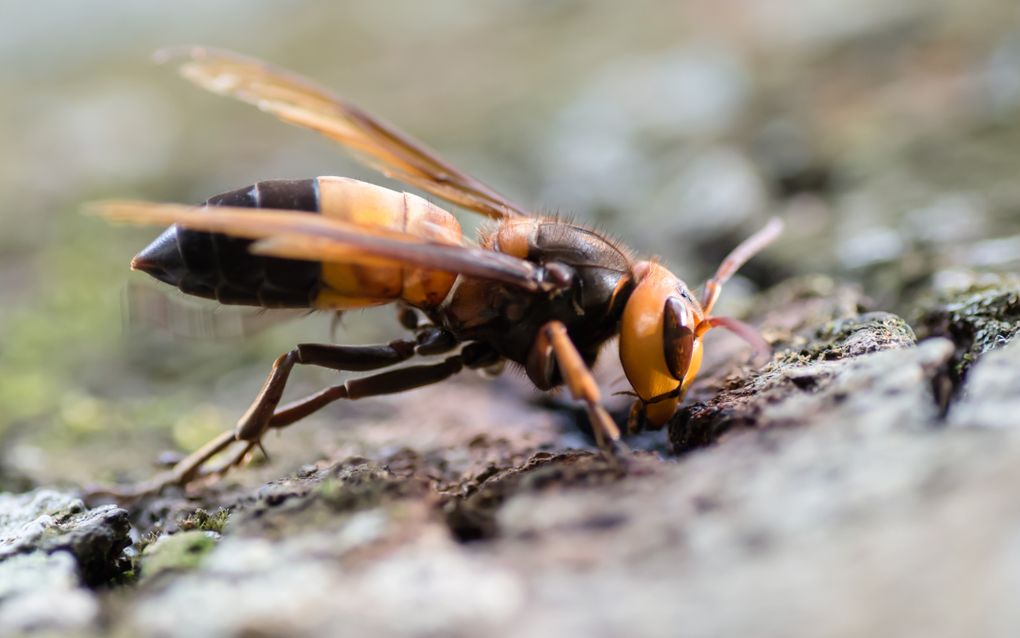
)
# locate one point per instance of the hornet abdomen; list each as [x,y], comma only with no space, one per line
[220,267]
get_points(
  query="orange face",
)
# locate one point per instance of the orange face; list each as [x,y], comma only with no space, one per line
[660,346]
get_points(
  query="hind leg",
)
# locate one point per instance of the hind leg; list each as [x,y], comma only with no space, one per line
[263,412]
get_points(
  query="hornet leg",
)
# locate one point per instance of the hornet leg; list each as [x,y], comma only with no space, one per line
[256,419]
[554,345]
[263,414]
[473,356]
[389,382]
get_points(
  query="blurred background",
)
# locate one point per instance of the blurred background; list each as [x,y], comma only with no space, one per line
[885,133]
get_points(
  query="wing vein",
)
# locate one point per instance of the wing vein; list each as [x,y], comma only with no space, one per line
[376,143]
[311,237]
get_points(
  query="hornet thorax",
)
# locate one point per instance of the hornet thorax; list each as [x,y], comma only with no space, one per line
[509,319]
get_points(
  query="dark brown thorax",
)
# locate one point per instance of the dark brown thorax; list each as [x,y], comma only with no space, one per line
[509,319]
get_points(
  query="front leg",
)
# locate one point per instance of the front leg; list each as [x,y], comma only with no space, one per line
[553,346]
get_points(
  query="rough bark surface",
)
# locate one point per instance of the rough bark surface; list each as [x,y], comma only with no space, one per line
[838,490]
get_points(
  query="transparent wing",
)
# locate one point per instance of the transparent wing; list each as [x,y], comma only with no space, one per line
[311,237]
[299,101]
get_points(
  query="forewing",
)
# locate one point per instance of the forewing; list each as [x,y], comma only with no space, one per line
[299,101]
[311,237]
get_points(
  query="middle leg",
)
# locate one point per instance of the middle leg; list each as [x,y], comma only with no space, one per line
[430,340]
[388,382]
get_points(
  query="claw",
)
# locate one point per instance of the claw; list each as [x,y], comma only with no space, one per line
[186,472]
[636,417]
[619,455]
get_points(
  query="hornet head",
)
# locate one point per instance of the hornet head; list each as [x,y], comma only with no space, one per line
[663,324]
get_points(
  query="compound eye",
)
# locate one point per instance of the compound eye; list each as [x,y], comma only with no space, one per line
[677,337]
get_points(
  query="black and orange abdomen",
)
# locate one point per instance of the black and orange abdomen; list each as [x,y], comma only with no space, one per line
[220,267]
[363,204]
